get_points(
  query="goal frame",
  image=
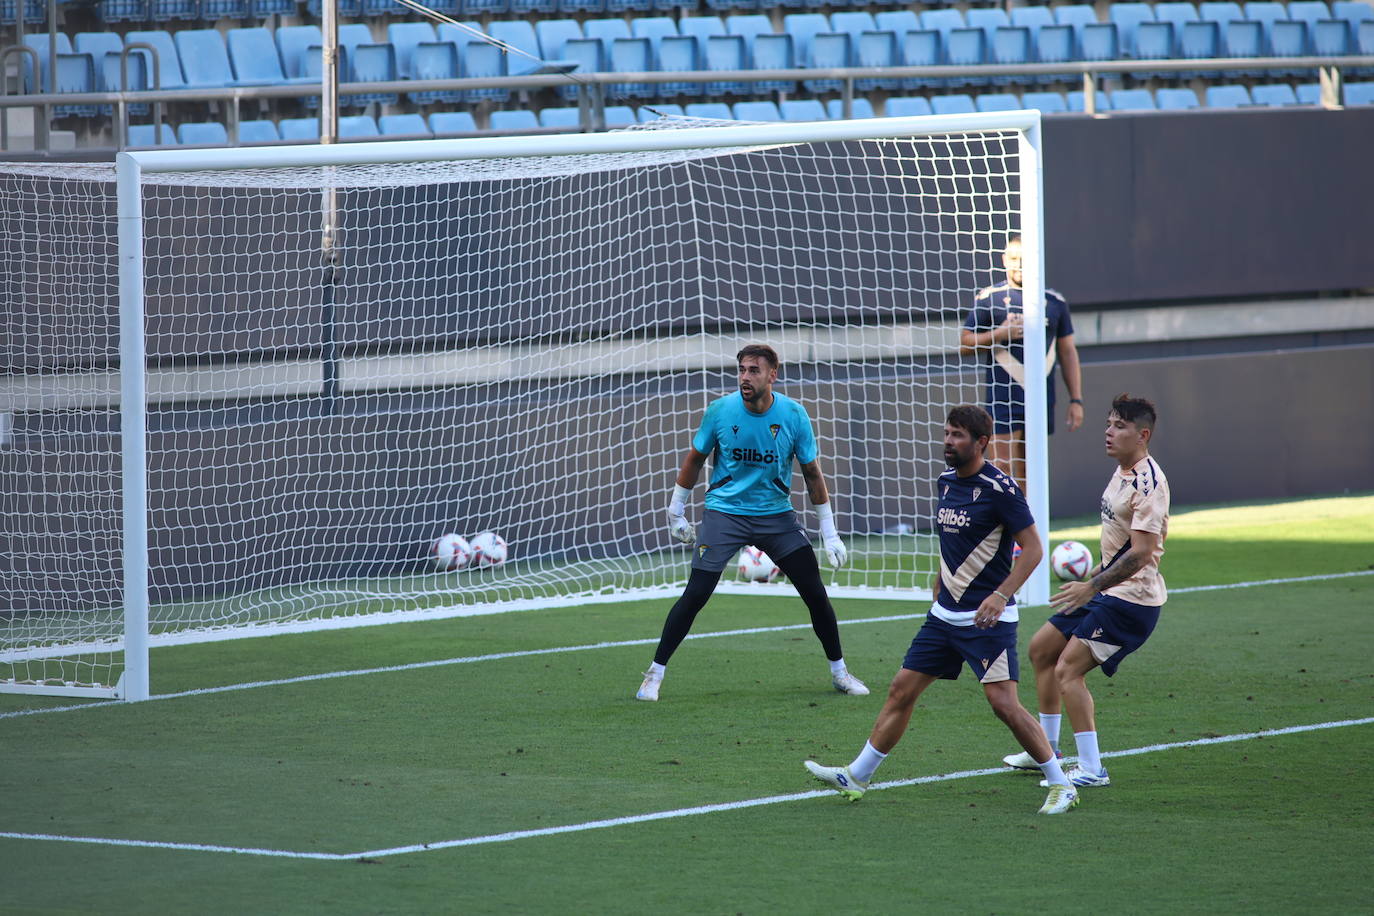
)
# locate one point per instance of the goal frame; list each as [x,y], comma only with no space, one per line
[132,166]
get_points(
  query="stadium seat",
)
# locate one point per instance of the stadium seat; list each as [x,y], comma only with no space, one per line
[1220,11]
[1045,102]
[258,131]
[859,107]
[479,60]
[1243,38]
[802,110]
[211,10]
[1154,40]
[654,28]
[254,58]
[1359,93]
[1098,41]
[747,25]
[165,68]
[300,129]
[966,48]
[523,8]
[1076,16]
[367,62]
[1032,17]
[1101,100]
[1309,93]
[262,9]
[1364,44]
[898,22]
[475,8]
[1199,41]
[952,104]
[943,21]
[581,6]
[714,111]
[997,101]
[1055,44]
[560,117]
[513,120]
[142,135]
[1011,45]
[921,48]
[204,59]
[39,43]
[358,126]
[829,50]
[606,31]
[1132,100]
[204,133]
[554,34]
[1288,38]
[109,11]
[804,27]
[1127,18]
[404,36]
[1330,38]
[168,10]
[631,55]
[1309,11]
[1227,96]
[104,49]
[773,51]
[756,111]
[676,54]
[1274,95]
[1177,12]
[435,60]
[401,125]
[519,34]
[1170,99]
[620,116]
[877,49]
[293,44]
[1266,13]
[452,122]
[989,19]
[907,106]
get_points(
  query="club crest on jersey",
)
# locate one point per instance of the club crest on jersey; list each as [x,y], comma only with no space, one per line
[977,492]
[946,493]
[773,428]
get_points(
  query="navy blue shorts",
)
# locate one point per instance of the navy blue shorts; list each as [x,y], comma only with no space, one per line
[940,649]
[1111,628]
[721,535]
[1011,418]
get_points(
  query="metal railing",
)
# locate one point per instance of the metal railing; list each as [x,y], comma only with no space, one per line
[592,86]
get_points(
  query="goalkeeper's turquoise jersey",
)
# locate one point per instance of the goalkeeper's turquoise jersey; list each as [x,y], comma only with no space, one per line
[752,453]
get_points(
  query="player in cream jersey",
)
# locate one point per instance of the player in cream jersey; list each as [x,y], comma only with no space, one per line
[1101,620]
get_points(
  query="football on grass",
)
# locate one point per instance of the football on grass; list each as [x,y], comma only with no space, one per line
[488,549]
[1071,561]
[451,552]
[754,566]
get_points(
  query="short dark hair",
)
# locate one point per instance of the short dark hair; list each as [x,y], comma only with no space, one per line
[1134,410]
[762,351]
[973,418]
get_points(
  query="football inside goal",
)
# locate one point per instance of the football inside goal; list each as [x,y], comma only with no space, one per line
[254,391]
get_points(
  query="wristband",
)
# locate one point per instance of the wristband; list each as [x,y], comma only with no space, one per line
[679,500]
[826,515]
[1002,596]
[1078,401]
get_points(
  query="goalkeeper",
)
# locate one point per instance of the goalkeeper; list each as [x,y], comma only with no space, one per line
[754,435]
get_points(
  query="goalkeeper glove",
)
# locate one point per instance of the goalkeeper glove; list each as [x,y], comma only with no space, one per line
[678,525]
[835,550]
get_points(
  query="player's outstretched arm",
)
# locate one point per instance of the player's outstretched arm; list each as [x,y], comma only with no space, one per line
[819,493]
[687,477]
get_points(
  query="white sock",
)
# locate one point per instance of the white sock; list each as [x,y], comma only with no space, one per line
[656,670]
[866,764]
[1050,724]
[1054,773]
[837,667]
[1089,757]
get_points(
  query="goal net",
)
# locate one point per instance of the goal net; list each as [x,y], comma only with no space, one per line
[349,352]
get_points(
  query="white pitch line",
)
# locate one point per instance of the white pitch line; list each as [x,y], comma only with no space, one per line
[512,835]
[556,650]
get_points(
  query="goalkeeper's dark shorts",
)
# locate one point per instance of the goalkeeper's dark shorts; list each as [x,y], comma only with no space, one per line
[721,536]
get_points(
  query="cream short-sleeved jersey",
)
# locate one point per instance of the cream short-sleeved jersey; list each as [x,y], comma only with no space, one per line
[1136,500]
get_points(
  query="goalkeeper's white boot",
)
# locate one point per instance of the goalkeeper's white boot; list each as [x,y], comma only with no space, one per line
[1024,761]
[848,683]
[1060,799]
[649,689]
[838,778]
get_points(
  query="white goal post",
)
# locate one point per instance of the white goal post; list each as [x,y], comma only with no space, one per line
[508,334]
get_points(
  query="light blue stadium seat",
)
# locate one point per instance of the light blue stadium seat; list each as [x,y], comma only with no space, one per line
[452,122]
[631,55]
[404,36]
[1266,13]
[952,104]
[1310,12]
[725,52]
[1275,94]
[435,60]
[700,27]
[358,126]
[1288,38]
[513,120]
[75,73]
[258,131]
[859,107]
[1243,38]
[403,125]
[168,65]
[1127,17]
[877,49]
[262,9]
[829,50]
[1309,93]
[590,57]
[943,21]
[560,117]
[1032,17]
[1055,44]
[294,43]
[922,48]
[142,135]
[347,9]
[211,10]
[771,51]
[1102,101]
[39,42]
[803,27]
[367,62]
[477,60]
[1132,100]
[1220,11]
[522,8]
[966,48]
[203,133]
[254,58]
[1230,95]
[853,23]
[899,22]
[802,110]
[110,11]
[1011,45]
[1098,41]
[1177,12]
[654,28]
[204,58]
[1176,99]
[518,34]
[997,101]
[714,111]
[1076,16]
[581,6]
[749,25]
[757,111]
[1045,102]
[907,106]
[104,49]
[606,31]
[302,130]
[495,8]
[1199,41]
[553,34]
[620,116]
[167,10]
[1154,40]
[1359,93]
[989,19]
[678,53]
[1364,43]
[1331,38]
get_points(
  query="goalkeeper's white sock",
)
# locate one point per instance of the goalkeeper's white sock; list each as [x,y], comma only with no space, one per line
[656,671]
[866,764]
[1089,757]
[837,667]
[1050,723]
[1054,773]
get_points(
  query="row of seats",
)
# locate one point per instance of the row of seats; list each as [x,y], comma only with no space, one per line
[451,123]
[199,58]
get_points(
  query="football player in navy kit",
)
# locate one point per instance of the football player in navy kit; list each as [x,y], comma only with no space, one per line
[981,513]
[994,330]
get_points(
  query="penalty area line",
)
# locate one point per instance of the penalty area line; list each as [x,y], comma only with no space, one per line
[628,820]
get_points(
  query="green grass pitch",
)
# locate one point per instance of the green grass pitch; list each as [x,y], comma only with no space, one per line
[520,783]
